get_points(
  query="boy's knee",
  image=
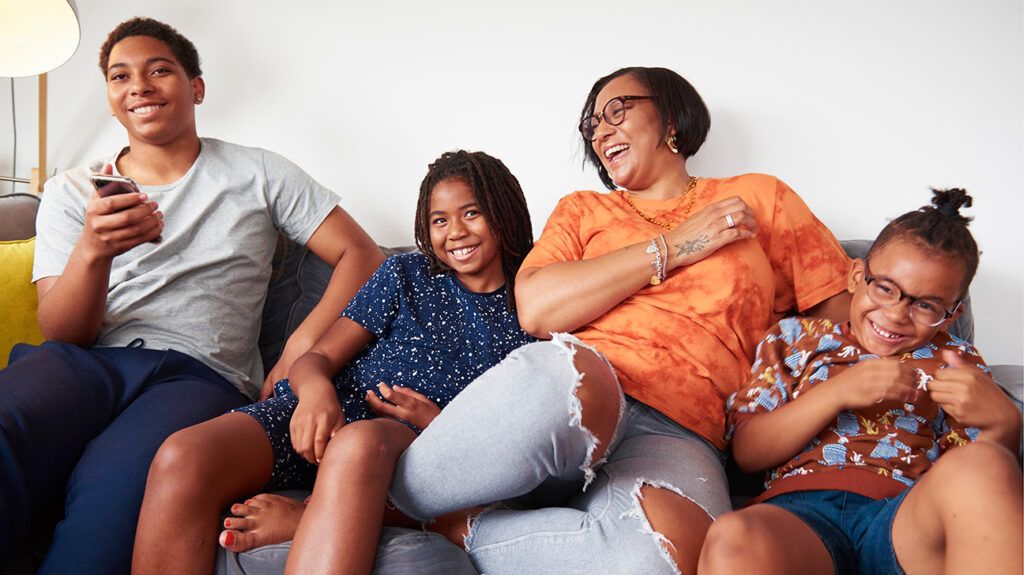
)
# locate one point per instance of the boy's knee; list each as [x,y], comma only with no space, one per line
[975,465]
[733,541]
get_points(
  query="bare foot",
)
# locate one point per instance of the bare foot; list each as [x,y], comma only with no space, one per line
[262,520]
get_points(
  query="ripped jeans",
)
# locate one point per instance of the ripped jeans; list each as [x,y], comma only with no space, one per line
[515,436]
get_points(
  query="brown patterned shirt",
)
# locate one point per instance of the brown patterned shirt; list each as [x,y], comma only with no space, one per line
[877,451]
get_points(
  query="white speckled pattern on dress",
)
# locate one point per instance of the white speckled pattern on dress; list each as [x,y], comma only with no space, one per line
[433,336]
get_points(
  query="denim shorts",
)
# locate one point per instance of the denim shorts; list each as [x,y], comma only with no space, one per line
[856,530]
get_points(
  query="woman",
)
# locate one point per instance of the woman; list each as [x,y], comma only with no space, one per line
[665,285]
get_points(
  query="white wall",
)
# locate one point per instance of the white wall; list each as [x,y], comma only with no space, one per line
[860,106]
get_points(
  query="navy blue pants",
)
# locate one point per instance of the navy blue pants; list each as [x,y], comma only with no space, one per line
[88,422]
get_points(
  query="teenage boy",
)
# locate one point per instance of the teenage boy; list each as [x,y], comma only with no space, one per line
[150,301]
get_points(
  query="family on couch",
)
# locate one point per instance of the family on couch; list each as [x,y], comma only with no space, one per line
[598,448]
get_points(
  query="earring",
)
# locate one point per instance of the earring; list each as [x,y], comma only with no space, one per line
[199,99]
[670,141]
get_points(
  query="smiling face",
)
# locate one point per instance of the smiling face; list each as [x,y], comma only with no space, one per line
[150,93]
[461,237]
[931,277]
[634,153]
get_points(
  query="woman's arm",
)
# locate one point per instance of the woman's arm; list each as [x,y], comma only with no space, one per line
[564,296]
[342,243]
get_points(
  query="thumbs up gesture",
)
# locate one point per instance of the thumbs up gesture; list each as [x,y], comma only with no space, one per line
[971,396]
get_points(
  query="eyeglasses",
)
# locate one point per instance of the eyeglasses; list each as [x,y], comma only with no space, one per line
[886,293]
[614,113]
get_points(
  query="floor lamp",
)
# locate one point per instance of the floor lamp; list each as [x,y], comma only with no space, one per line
[36,36]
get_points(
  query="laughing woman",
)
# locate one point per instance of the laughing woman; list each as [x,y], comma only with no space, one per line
[607,441]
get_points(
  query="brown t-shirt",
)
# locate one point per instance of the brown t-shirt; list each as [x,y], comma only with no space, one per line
[683,346]
[877,451]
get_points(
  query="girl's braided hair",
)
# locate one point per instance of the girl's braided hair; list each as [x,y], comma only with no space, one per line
[501,201]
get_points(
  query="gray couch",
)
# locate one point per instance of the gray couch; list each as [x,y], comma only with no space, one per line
[298,280]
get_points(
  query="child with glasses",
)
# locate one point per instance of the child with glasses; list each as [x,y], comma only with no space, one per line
[848,418]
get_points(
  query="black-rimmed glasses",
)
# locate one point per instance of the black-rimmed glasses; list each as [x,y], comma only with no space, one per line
[614,113]
[925,311]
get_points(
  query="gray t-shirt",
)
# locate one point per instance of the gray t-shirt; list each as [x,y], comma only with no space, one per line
[201,290]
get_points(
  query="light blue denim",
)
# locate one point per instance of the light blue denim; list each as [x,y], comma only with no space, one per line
[515,436]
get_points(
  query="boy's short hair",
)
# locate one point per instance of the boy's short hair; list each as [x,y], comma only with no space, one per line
[184,51]
[938,228]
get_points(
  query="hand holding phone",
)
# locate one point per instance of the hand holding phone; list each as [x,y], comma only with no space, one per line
[110,185]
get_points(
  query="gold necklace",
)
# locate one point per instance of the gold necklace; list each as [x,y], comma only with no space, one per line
[672,222]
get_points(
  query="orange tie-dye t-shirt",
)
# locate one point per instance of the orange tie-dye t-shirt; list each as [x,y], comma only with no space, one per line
[682,347]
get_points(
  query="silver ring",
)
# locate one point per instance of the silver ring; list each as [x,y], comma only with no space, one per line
[729,221]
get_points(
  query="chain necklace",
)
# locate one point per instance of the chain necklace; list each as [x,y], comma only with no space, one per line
[673,221]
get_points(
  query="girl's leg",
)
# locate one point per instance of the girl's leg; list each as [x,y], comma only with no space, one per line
[550,410]
[197,472]
[964,515]
[340,528]
[763,539]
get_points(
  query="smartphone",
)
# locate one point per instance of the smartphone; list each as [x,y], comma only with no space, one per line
[109,185]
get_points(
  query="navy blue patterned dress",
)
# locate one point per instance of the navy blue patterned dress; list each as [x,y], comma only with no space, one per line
[432,335]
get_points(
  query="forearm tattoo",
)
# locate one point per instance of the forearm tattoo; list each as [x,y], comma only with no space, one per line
[692,246]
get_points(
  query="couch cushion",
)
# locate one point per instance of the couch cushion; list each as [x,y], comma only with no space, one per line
[297,283]
[17,297]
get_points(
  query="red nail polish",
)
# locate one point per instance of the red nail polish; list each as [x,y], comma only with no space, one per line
[229,539]
[227,523]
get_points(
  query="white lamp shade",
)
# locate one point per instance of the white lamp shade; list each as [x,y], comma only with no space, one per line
[36,36]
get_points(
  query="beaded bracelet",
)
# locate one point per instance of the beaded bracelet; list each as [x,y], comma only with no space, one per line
[655,249]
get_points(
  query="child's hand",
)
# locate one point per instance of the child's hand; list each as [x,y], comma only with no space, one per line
[973,398]
[315,421]
[405,404]
[873,381]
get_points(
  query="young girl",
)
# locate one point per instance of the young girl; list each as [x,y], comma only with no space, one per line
[420,330]
[850,417]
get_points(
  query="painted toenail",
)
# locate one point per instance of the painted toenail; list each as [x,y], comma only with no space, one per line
[227,523]
[229,539]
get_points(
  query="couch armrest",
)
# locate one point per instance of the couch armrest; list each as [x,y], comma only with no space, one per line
[18,216]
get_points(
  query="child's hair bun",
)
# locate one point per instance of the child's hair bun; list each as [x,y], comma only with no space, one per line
[948,202]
